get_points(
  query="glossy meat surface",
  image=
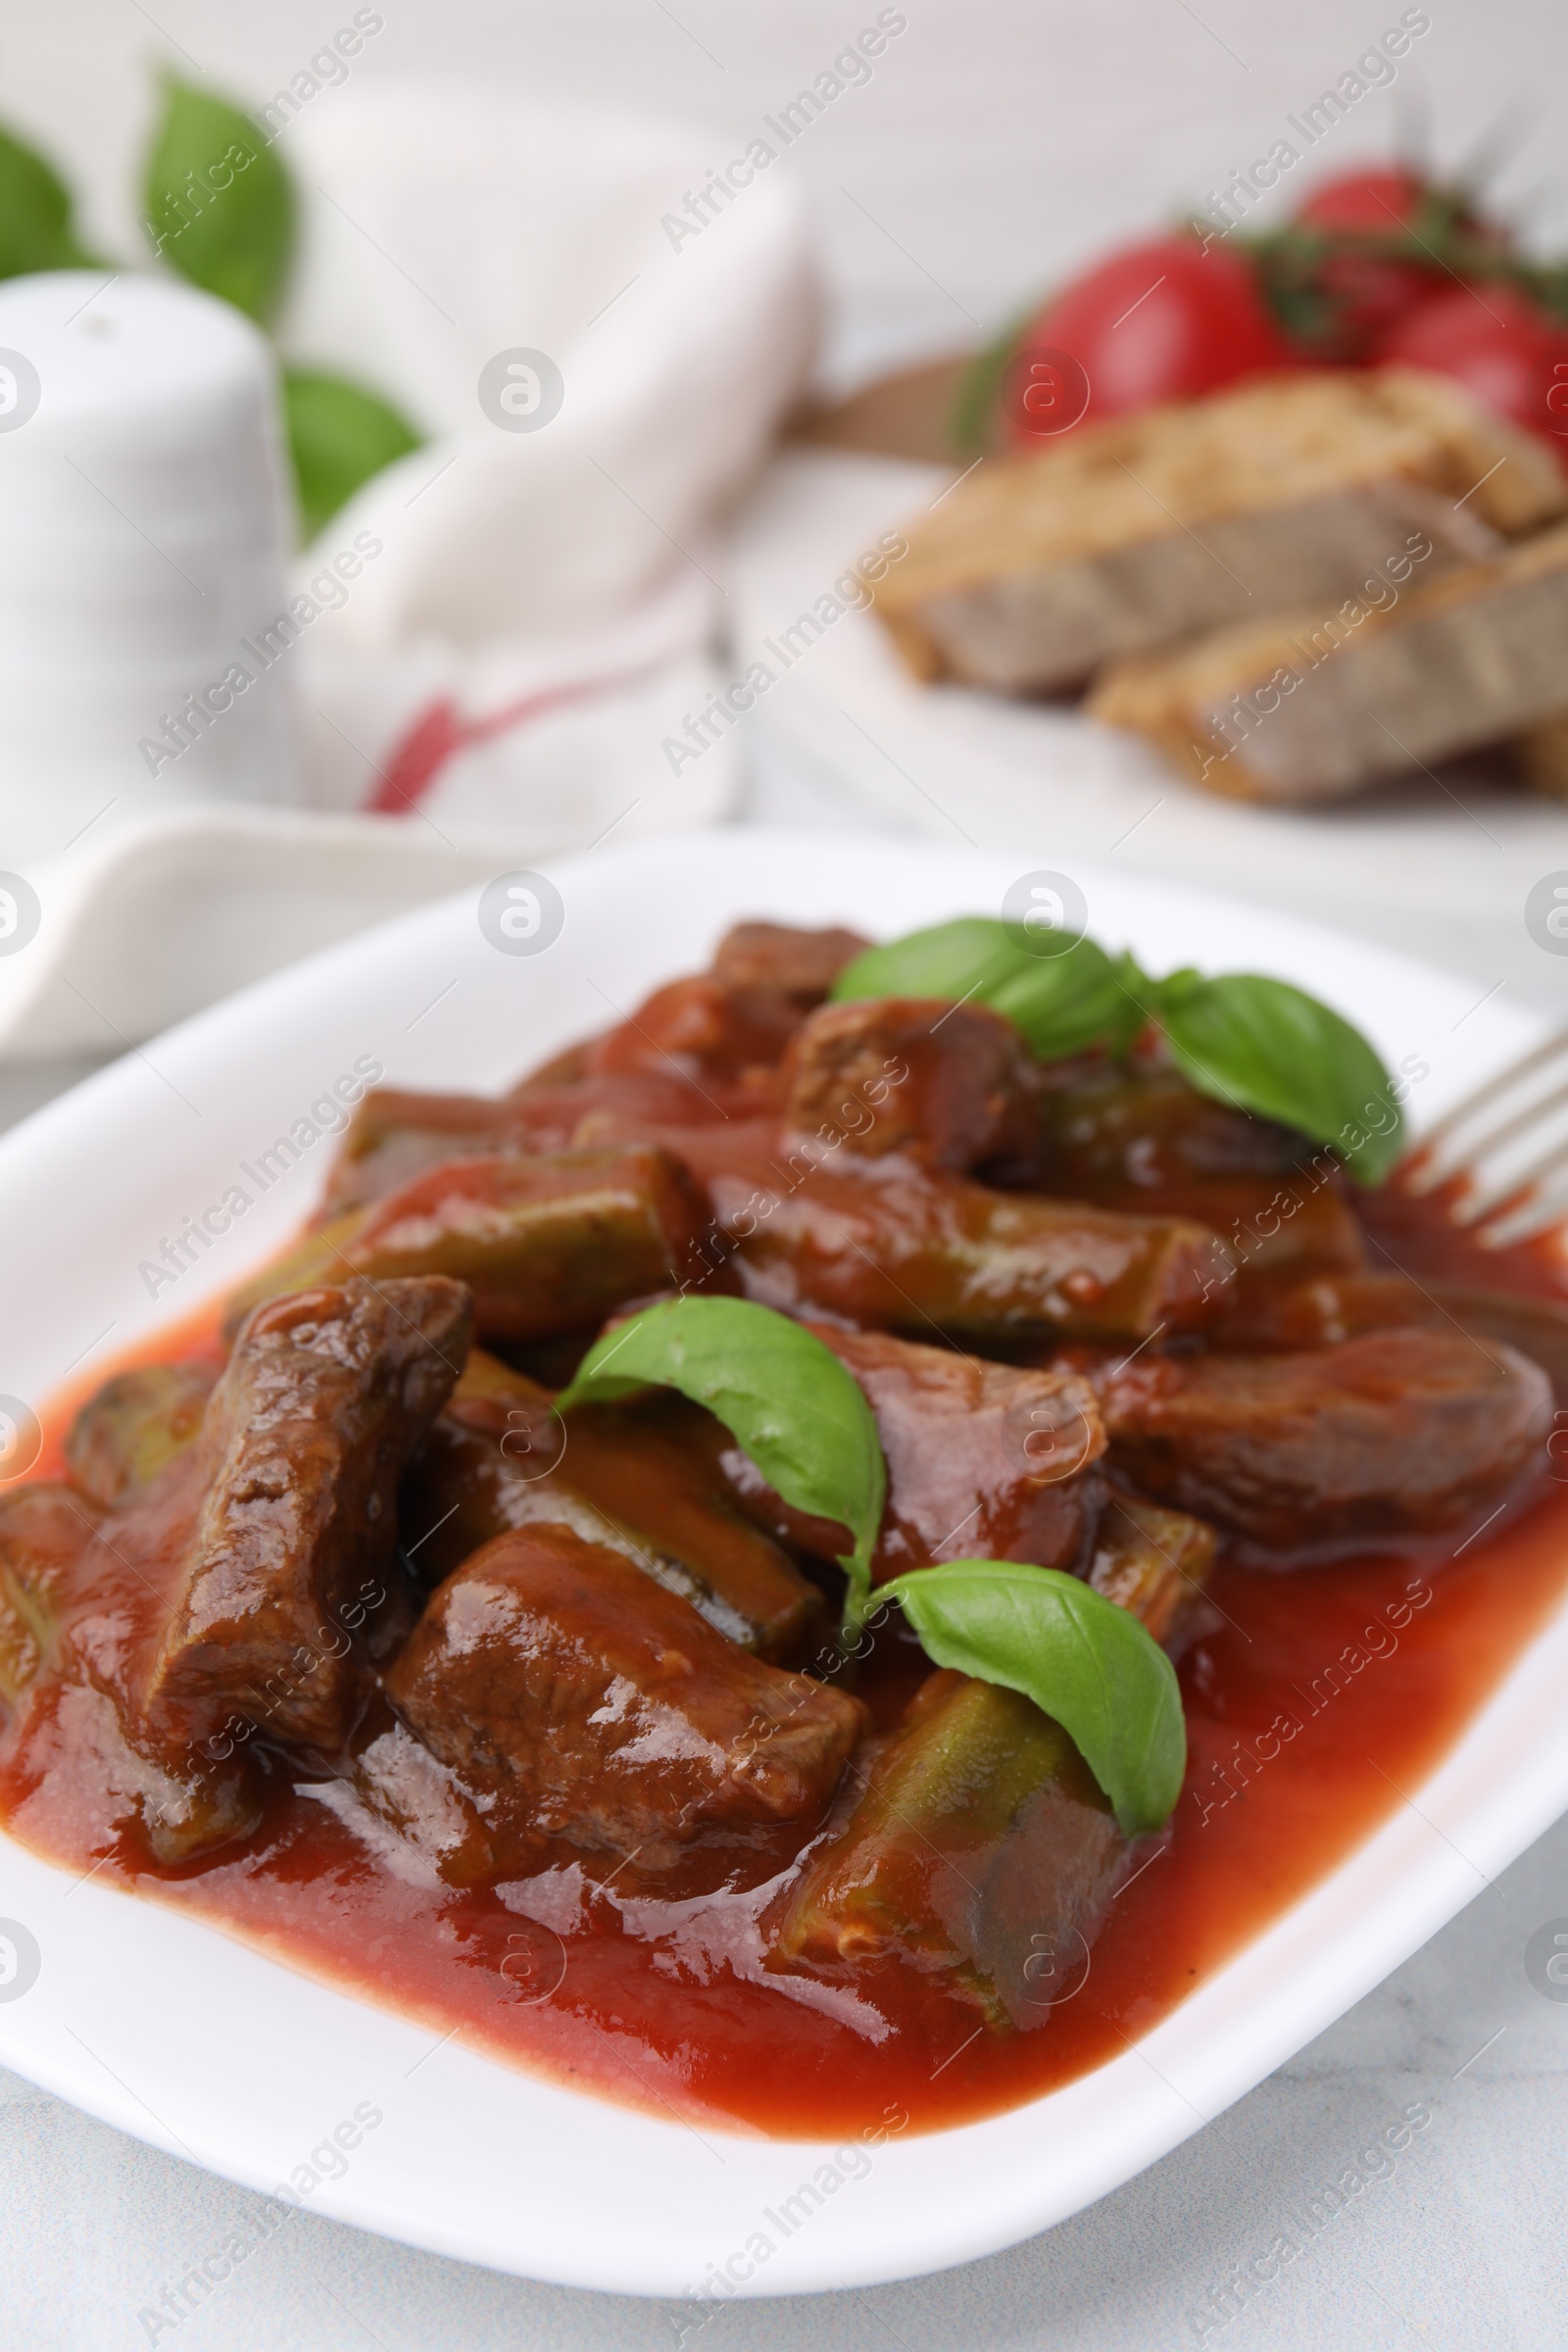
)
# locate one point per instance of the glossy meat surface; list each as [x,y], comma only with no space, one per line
[800,964]
[952,1085]
[325,1398]
[643,1480]
[897,1249]
[591,1706]
[1395,1432]
[984,1461]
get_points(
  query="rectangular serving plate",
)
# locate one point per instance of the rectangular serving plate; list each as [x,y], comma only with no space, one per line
[191,2040]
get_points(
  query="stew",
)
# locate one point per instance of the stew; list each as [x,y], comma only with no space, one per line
[827,1557]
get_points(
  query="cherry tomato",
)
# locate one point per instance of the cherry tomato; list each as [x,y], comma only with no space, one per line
[1495,341]
[1374,203]
[1365,296]
[1363,291]
[1165,320]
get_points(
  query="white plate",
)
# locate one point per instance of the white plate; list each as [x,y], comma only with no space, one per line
[1434,865]
[188,2040]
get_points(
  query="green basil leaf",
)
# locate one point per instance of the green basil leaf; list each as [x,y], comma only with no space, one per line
[1271,1049]
[785,1399]
[1081,1659]
[974,416]
[339,435]
[1062,1002]
[952,959]
[35,226]
[219,204]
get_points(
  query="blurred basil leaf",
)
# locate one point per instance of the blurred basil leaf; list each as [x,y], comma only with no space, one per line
[339,435]
[975,415]
[36,223]
[1066,1003]
[1271,1049]
[220,205]
[1062,1002]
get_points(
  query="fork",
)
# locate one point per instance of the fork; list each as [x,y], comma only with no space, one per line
[1503,1150]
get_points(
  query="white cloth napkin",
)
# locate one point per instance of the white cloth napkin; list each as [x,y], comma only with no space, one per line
[489,647]
[553,589]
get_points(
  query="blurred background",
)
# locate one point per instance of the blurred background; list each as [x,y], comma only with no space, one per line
[493,385]
[998,145]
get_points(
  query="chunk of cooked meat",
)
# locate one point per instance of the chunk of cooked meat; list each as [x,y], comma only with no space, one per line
[700,1029]
[900,1248]
[984,1461]
[953,1086]
[137,1426]
[1154,1563]
[326,1397]
[640,1478]
[981,1850]
[725,1029]
[1398,1431]
[544,1245]
[803,964]
[590,1705]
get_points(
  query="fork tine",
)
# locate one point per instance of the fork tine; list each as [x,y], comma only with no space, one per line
[1435,1160]
[1537,1213]
[1524,1184]
[1516,1073]
[1509,1132]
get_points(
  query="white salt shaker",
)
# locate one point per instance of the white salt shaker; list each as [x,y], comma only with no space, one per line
[144,528]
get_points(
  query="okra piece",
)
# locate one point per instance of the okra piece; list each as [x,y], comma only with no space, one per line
[140,1422]
[1154,1563]
[642,1480]
[981,1850]
[395,1136]
[43,1532]
[897,1249]
[545,1244]
[1146,1141]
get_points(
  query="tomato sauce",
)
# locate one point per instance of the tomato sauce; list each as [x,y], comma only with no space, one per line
[1318,1697]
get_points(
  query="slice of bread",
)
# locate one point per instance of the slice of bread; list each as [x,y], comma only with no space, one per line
[1314,706]
[1285,494]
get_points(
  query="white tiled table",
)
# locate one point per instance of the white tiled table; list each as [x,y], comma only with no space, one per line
[1461,2246]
